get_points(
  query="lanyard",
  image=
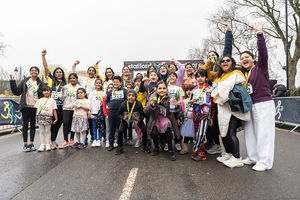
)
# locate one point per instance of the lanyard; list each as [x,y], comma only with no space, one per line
[88,82]
[247,75]
[186,109]
[160,99]
[100,97]
[114,91]
[32,86]
[57,87]
[79,102]
[71,92]
[130,113]
[41,108]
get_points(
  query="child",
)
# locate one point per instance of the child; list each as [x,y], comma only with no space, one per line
[161,120]
[69,97]
[105,112]
[46,109]
[132,112]
[174,92]
[201,104]
[141,95]
[80,123]
[114,101]
[187,129]
[95,100]
[149,85]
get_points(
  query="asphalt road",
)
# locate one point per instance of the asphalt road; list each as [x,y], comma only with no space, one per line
[99,174]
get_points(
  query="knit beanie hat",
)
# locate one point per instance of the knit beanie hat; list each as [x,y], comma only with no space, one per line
[132,91]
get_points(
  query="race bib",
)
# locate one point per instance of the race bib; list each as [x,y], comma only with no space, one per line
[249,88]
[117,94]
[201,99]
[55,95]
[172,92]
[162,110]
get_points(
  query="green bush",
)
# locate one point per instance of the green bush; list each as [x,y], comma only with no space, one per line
[295,92]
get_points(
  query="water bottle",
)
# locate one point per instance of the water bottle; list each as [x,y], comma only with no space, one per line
[172,106]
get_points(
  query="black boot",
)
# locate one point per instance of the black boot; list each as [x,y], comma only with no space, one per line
[110,148]
[172,156]
[119,151]
[155,152]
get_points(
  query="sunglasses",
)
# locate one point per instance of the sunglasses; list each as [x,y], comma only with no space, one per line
[225,60]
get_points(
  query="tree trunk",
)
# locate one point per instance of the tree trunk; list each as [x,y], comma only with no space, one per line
[292,73]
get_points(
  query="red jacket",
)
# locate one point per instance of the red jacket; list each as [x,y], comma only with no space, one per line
[105,110]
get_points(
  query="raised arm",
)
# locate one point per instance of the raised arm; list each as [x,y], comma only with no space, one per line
[74,66]
[228,40]
[262,60]
[97,70]
[16,90]
[207,67]
[45,64]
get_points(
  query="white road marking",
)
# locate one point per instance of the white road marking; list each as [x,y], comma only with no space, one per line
[129,184]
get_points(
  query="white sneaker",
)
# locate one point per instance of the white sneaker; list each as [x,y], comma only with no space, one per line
[178,147]
[98,143]
[107,144]
[215,149]
[94,144]
[233,162]
[42,148]
[138,143]
[166,148]
[259,168]
[115,144]
[247,161]
[224,157]
[48,147]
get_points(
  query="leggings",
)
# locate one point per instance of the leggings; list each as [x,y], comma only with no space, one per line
[107,130]
[28,115]
[90,129]
[168,136]
[231,142]
[187,139]
[129,132]
[114,123]
[96,131]
[67,122]
[123,128]
[45,134]
[213,133]
[55,127]
[200,130]
[83,133]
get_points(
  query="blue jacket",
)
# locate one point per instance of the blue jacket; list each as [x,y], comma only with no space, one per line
[114,101]
[239,99]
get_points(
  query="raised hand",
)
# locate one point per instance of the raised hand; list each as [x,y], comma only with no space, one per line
[11,77]
[98,62]
[76,62]
[173,61]
[152,102]
[258,27]
[228,26]
[44,52]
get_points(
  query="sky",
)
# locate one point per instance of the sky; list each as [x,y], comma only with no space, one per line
[113,31]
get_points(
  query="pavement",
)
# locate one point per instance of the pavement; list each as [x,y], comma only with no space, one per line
[98,174]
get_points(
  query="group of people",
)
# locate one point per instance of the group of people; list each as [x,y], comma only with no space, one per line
[171,102]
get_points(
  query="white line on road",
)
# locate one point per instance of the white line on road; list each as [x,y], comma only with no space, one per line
[129,184]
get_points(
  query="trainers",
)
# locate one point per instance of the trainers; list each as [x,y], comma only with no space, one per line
[215,149]
[199,157]
[130,143]
[178,147]
[98,143]
[259,168]
[107,144]
[172,156]
[54,145]
[115,144]
[110,148]
[63,145]
[26,148]
[42,148]
[119,151]
[166,148]
[32,148]
[224,157]
[94,143]
[81,146]
[138,143]
[233,162]
[155,152]
[71,143]
[75,145]
[48,147]
[247,161]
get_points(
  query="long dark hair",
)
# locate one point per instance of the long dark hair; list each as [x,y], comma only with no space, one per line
[233,67]
[148,71]
[113,73]
[98,79]
[63,77]
[73,74]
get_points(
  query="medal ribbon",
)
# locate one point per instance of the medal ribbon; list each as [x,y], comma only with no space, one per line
[130,113]
[41,107]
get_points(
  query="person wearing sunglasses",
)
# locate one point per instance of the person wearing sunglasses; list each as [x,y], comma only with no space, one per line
[260,130]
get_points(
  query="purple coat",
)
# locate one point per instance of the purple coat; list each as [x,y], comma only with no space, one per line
[180,73]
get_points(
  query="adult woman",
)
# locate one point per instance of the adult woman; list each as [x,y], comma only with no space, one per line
[189,78]
[30,91]
[179,69]
[260,130]
[109,74]
[126,78]
[224,80]
[56,82]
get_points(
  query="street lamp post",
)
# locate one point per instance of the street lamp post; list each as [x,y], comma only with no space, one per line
[287,45]
[17,70]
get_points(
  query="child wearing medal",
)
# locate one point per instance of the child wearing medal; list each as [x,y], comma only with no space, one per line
[161,120]
[96,100]
[46,109]
[202,114]
[132,112]
[187,129]
[80,123]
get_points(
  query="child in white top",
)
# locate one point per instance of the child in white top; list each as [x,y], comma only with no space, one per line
[80,122]
[46,109]
[96,99]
